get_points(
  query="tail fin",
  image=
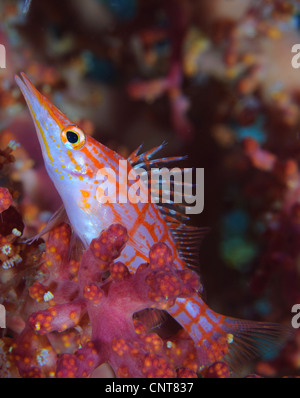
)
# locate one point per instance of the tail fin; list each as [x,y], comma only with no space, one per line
[252,339]
[222,338]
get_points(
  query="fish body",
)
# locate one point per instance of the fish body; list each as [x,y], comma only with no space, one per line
[73,161]
[74,170]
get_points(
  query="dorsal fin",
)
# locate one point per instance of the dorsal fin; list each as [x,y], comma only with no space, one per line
[187,238]
[144,160]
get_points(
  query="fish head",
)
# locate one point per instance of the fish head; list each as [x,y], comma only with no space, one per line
[63,143]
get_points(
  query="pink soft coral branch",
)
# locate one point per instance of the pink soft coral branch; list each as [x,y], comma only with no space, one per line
[102,299]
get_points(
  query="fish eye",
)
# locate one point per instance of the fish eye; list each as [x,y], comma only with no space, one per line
[73,137]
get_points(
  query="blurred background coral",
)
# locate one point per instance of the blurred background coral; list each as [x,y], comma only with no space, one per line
[212,78]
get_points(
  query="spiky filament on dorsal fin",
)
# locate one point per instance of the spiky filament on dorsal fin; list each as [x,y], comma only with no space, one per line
[187,238]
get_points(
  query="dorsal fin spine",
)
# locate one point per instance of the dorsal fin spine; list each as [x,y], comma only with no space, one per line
[187,238]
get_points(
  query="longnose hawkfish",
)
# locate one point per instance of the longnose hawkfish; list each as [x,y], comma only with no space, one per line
[72,160]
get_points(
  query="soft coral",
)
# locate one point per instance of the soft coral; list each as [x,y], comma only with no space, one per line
[109,295]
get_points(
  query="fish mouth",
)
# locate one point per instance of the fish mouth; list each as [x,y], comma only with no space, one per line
[39,104]
[46,117]
[28,89]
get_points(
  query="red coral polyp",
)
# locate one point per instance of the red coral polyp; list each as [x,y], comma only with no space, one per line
[110,243]
[160,256]
[165,281]
[5,199]
[218,370]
